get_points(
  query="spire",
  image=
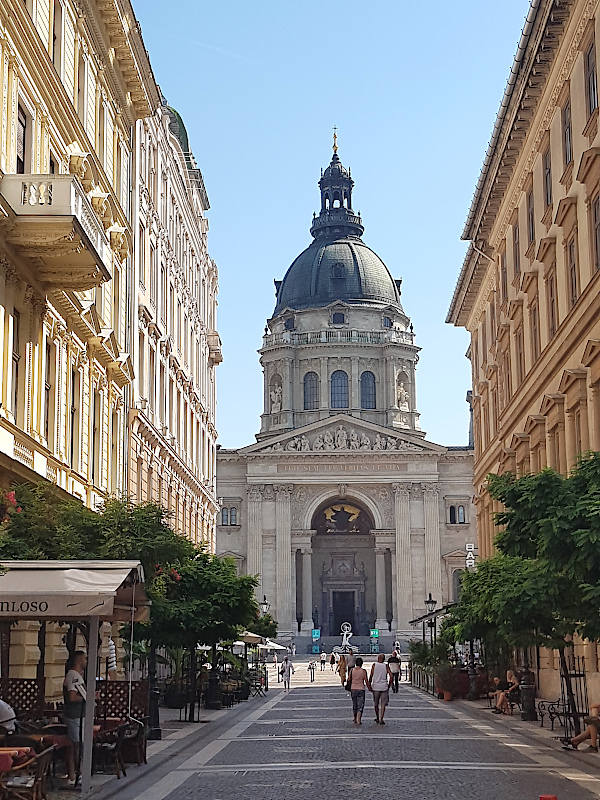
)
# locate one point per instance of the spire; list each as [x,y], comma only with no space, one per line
[336,217]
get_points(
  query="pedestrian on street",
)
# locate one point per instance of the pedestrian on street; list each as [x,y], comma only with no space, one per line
[323,660]
[341,668]
[286,671]
[359,682]
[381,680]
[395,665]
[350,660]
[332,661]
[591,732]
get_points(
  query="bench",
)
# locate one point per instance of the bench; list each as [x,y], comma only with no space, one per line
[554,709]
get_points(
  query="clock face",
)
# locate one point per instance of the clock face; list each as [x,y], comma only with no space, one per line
[342,518]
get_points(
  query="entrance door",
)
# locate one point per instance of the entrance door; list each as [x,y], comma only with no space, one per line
[343,611]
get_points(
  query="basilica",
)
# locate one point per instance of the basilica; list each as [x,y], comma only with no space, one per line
[342,507]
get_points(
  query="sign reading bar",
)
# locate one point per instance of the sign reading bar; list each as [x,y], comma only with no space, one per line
[470,557]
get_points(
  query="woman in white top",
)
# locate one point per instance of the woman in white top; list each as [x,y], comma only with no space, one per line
[381,680]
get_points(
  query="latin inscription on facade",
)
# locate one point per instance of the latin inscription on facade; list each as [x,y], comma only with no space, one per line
[380,466]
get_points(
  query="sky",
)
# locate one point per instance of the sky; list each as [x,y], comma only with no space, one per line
[413,89]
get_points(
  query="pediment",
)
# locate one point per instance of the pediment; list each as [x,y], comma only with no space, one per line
[343,434]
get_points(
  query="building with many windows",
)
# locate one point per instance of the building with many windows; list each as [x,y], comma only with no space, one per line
[174,343]
[528,292]
[75,79]
[342,508]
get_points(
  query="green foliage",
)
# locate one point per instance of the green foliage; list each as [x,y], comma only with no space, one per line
[264,626]
[419,652]
[446,677]
[196,597]
[543,585]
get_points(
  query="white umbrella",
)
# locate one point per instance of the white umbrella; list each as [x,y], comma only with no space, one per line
[251,638]
[274,646]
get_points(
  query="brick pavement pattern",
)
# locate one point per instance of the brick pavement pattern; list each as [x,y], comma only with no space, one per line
[304,744]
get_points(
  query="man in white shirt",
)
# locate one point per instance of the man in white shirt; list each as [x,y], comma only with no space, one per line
[74,696]
[287,670]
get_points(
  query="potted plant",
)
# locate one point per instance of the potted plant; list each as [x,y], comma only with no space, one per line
[446,679]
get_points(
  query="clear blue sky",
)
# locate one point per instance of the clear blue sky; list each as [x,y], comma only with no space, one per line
[413,88]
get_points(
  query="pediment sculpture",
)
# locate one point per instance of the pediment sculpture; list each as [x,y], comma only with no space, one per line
[342,439]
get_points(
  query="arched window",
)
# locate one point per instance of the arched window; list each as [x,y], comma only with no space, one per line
[461,515]
[456,584]
[311,391]
[452,515]
[339,389]
[224,516]
[233,516]
[367,390]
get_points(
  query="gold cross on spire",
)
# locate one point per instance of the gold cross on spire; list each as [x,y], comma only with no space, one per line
[335,144]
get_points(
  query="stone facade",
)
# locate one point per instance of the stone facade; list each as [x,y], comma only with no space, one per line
[174,344]
[342,508]
[528,290]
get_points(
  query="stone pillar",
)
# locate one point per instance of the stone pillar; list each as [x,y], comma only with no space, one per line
[433,570]
[354,385]
[381,621]
[283,544]
[324,385]
[394,589]
[403,608]
[570,440]
[287,388]
[254,554]
[307,624]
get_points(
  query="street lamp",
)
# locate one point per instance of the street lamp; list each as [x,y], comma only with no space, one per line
[430,605]
[264,605]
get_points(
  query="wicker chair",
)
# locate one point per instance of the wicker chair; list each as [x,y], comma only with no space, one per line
[28,780]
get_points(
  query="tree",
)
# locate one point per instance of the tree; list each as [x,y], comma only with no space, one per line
[265,626]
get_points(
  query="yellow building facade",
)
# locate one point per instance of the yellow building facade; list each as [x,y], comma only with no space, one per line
[529,289]
[174,343]
[75,78]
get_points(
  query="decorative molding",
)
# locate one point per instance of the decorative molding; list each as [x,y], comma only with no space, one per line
[340,439]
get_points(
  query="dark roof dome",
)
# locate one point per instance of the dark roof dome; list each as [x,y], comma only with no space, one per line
[341,268]
[338,265]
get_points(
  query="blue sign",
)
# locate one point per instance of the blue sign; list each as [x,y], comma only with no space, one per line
[316,633]
[374,633]
[315,648]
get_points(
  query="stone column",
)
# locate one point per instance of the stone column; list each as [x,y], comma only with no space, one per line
[307,621]
[403,608]
[324,385]
[570,440]
[433,570]
[354,385]
[394,589]
[254,554]
[283,544]
[381,621]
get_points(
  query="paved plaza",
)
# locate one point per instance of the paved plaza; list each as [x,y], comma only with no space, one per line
[304,744]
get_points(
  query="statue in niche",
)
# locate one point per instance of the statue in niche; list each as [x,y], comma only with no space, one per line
[379,443]
[341,438]
[318,443]
[365,442]
[276,395]
[328,443]
[403,397]
[354,441]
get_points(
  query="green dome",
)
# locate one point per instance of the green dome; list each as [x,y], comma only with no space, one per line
[341,268]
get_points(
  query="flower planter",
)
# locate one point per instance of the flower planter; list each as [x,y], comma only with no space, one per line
[447,696]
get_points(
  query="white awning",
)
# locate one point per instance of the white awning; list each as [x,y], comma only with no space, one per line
[73,590]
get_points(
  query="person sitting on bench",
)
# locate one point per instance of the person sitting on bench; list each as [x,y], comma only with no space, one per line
[591,732]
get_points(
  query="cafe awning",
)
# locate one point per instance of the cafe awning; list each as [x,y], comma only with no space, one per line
[63,590]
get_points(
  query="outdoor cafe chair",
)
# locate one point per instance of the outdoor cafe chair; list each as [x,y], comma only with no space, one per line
[108,747]
[27,781]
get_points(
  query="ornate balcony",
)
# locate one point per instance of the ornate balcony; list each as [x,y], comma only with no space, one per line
[215,354]
[55,228]
[336,336]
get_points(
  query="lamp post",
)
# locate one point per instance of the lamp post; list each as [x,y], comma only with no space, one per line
[264,605]
[430,605]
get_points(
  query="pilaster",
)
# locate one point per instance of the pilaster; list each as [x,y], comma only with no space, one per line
[403,566]
[433,571]
[283,537]
[254,555]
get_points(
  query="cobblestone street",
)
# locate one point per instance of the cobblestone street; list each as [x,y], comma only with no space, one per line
[303,743]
